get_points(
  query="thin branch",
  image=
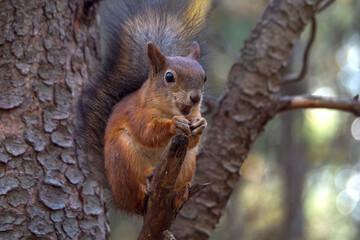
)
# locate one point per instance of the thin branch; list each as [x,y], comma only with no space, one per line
[325,5]
[296,102]
[247,105]
[194,189]
[169,235]
[224,47]
[210,104]
[214,4]
[160,213]
[290,78]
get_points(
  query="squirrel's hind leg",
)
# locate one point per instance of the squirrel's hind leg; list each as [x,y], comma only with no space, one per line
[181,195]
[148,173]
[148,176]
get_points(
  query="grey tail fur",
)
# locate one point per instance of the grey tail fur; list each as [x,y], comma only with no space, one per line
[129,25]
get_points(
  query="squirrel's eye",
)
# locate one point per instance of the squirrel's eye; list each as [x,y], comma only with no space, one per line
[205,79]
[169,77]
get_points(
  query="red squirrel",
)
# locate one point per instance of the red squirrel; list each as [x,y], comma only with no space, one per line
[142,124]
[149,88]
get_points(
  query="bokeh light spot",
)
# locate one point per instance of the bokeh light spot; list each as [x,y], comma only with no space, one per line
[342,178]
[254,168]
[353,58]
[354,183]
[347,201]
[355,129]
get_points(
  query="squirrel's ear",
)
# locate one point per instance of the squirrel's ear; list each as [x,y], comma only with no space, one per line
[156,57]
[194,51]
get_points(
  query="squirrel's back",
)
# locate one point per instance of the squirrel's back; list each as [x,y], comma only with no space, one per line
[172,25]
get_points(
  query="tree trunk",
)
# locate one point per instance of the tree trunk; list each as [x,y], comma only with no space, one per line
[247,105]
[293,161]
[294,165]
[48,49]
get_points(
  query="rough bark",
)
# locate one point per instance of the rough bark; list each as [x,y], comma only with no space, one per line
[247,105]
[160,212]
[48,48]
[47,51]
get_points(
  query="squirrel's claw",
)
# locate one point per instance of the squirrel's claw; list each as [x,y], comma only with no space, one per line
[148,177]
[198,125]
[182,125]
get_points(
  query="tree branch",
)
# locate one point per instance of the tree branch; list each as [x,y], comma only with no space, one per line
[169,235]
[324,5]
[290,78]
[210,104]
[160,213]
[296,102]
[222,46]
[246,106]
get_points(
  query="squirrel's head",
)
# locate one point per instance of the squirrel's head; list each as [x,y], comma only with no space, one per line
[179,81]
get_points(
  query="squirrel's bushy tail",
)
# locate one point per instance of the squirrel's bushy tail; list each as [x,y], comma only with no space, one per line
[172,25]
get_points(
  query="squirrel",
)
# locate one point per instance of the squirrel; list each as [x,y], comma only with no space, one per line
[148,89]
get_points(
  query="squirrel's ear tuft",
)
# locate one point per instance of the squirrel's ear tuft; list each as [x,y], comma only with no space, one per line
[156,57]
[194,51]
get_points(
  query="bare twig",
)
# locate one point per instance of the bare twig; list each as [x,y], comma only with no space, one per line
[194,189]
[290,78]
[224,47]
[160,213]
[210,104]
[214,4]
[169,235]
[246,106]
[296,102]
[325,5]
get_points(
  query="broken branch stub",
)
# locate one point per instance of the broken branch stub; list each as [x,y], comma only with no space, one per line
[160,213]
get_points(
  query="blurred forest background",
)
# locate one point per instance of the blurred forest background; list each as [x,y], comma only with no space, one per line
[302,178]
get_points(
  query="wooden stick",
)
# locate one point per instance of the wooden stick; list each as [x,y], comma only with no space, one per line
[160,213]
[169,235]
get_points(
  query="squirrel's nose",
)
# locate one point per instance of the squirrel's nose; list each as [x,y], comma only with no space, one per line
[195,97]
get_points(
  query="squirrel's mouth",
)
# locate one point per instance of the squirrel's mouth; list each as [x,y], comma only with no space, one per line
[184,109]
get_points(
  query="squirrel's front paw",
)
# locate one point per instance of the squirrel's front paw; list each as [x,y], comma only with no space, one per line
[198,125]
[181,125]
